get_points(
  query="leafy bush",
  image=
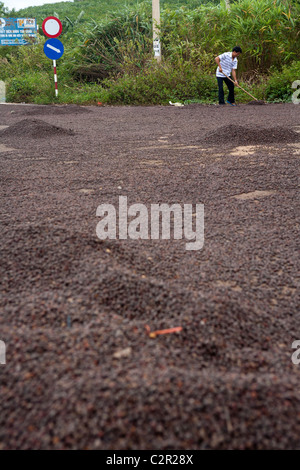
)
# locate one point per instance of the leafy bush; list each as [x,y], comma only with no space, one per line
[31,87]
[24,59]
[28,74]
[83,94]
[279,85]
[161,84]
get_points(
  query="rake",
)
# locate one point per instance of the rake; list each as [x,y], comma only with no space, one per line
[256,101]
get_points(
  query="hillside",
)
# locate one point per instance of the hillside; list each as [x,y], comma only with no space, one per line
[95,9]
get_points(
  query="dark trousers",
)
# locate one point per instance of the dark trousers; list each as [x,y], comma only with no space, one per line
[230,87]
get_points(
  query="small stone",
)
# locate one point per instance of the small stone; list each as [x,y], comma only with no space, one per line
[122,353]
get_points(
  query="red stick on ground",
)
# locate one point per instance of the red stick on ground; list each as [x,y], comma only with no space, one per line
[153,334]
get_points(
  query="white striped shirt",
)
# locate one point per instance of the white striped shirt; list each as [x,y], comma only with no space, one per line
[227,64]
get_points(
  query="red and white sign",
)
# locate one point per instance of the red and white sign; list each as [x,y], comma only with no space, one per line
[52,27]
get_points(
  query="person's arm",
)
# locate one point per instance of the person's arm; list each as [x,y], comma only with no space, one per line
[217,59]
[234,76]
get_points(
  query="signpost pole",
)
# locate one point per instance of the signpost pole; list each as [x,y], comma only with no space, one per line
[156,29]
[55,78]
[53,47]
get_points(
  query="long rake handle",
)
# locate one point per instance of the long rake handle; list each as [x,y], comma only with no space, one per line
[240,87]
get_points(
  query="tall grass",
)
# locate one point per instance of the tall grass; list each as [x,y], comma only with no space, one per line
[267,30]
[123,43]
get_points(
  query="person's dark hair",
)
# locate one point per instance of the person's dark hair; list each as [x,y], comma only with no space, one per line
[237,49]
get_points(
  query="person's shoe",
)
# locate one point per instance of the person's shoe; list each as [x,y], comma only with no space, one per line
[231,104]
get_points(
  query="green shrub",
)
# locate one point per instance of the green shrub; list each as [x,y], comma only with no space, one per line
[31,87]
[159,84]
[24,59]
[28,74]
[85,94]
[279,85]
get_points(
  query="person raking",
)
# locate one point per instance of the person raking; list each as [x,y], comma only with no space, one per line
[227,65]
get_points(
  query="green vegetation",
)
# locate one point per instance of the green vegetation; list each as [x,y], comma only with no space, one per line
[278,87]
[98,10]
[108,52]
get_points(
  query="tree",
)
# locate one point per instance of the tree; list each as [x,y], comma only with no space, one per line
[2,9]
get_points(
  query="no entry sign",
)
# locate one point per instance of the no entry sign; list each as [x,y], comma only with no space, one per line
[52,27]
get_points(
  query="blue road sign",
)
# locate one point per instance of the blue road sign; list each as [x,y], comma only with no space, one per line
[53,49]
[17,31]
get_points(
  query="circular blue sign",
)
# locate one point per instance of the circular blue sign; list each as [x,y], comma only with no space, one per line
[53,48]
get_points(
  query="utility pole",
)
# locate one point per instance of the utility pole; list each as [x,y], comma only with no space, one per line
[156,31]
